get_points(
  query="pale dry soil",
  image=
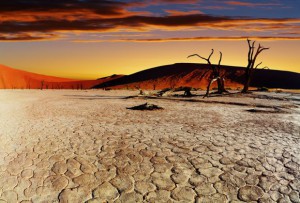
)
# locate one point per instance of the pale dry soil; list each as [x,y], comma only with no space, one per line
[85,146]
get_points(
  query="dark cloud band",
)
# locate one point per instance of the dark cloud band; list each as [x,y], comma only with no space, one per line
[20,18]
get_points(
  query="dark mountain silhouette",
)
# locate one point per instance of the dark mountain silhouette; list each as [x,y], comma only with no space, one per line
[197,75]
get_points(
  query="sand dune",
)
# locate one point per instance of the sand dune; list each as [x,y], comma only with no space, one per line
[17,79]
[197,75]
[175,75]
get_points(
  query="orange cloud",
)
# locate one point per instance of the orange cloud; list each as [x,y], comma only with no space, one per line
[250,4]
[262,38]
[27,37]
[180,13]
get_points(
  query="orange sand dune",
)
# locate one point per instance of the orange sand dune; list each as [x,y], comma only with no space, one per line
[17,79]
[198,76]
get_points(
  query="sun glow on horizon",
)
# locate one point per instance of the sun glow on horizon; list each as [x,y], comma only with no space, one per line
[95,60]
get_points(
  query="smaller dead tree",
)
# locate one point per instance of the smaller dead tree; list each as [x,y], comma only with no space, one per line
[42,84]
[138,87]
[154,83]
[215,75]
[252,56]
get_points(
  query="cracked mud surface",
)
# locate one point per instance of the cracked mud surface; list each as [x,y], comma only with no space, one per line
[85,146]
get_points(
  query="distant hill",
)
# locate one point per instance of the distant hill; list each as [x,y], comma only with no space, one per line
[197,75]
[17,79]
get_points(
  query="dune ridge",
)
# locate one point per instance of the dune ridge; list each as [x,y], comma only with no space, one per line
[11,78]
[197,76]
[167,76]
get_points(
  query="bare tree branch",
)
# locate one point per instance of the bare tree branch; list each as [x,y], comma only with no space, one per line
[258,65]
[220,59]
[252,50]
[197,56]
[249,51]
[259,50]
[206,59]
[212,51]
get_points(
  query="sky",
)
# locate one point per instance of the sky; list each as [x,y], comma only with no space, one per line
[88,39]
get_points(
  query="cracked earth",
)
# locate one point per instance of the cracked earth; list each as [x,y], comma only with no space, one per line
[85,146]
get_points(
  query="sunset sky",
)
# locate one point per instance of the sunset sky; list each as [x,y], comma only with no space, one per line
[87,39]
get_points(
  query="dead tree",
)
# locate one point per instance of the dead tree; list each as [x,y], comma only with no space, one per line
[42,84]
[138,87]
[216,74]
[154,83]
[252,56]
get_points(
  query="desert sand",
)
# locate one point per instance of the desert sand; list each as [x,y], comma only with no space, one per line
[11,78]
[85,146]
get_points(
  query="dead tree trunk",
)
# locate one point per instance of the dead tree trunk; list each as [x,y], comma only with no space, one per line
[208,87]
[216,74]
[187,93]
[42,84]
[221,84]
[252,56]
